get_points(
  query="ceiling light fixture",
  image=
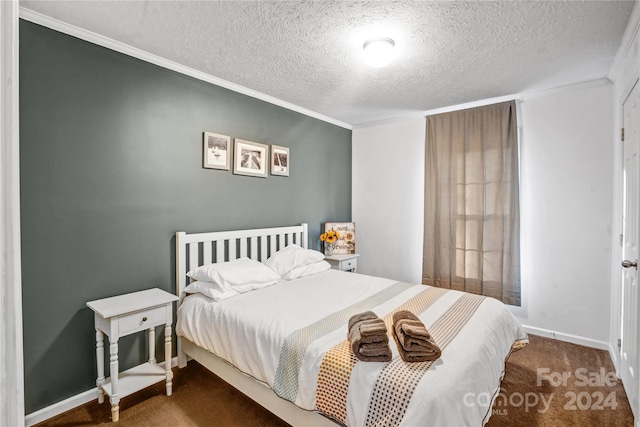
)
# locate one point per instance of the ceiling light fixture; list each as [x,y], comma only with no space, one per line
[379,52]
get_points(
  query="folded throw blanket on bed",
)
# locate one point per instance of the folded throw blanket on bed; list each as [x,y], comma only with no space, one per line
[368,337]
[415,344]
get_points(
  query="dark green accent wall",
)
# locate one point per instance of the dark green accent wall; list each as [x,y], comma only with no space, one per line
[111,168]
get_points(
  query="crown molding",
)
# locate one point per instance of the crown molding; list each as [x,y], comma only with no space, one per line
[473,104]
[566,88]
[389,120]
[522,97]
[100,40]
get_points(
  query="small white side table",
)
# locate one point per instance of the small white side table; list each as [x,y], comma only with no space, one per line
[348,262]
[124,315]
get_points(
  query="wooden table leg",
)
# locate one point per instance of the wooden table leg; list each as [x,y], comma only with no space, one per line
[167,358]
[100,359]
[114,398]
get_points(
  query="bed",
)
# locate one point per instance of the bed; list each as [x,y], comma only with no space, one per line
[285,345]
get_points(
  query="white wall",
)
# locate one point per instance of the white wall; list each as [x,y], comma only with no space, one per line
[387,198]
[566,200]
[567,168]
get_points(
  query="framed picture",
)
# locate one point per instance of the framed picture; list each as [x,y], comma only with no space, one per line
[279,160]
[346,244]
[250,158]
[216,151]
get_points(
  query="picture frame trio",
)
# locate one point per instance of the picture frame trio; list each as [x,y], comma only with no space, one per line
[249,158]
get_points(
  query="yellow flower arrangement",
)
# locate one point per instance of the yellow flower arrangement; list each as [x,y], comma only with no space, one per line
[329,238]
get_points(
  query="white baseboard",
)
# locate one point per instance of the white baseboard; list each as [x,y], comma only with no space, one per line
[70,403]
[60,407]
[614,358]
[574,339]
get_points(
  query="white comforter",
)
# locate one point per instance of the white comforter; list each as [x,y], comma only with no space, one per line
[249,331]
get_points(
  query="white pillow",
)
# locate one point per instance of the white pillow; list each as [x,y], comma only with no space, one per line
[243,272]
[307,270]
[215,292]
[211,290]
[293,256]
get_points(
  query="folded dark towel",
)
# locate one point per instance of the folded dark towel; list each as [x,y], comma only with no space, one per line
[377,340]
[368,338]
[415,344]
[412,334]
[381,358]
[367,327]
[374,349]
[373,330]
[366,315]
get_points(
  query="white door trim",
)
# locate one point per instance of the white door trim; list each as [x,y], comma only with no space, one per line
[11,359]
[629,357]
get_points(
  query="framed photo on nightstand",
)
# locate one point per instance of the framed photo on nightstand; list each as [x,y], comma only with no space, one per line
[346,244]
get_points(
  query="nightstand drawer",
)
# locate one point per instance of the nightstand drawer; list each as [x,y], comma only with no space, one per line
[349,264]
[141,320]
[344,262]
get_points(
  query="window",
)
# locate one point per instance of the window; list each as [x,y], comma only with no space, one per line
[472,219]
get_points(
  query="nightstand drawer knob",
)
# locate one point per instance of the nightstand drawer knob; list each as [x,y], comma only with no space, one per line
[144,319]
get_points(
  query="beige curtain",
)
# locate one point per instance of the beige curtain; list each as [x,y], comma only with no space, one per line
[472,216]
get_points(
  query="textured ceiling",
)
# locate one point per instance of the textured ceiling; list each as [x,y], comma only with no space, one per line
[309,53]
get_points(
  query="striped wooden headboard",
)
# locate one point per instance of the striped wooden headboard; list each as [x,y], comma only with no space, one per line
[196,249]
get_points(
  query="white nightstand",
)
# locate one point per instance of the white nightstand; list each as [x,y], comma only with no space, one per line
[124,315]
[348,262]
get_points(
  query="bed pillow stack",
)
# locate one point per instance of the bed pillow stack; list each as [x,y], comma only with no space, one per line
[224,280]
[294,262]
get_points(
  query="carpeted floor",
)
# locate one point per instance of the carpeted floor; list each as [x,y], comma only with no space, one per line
[590,394]
[533,394]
